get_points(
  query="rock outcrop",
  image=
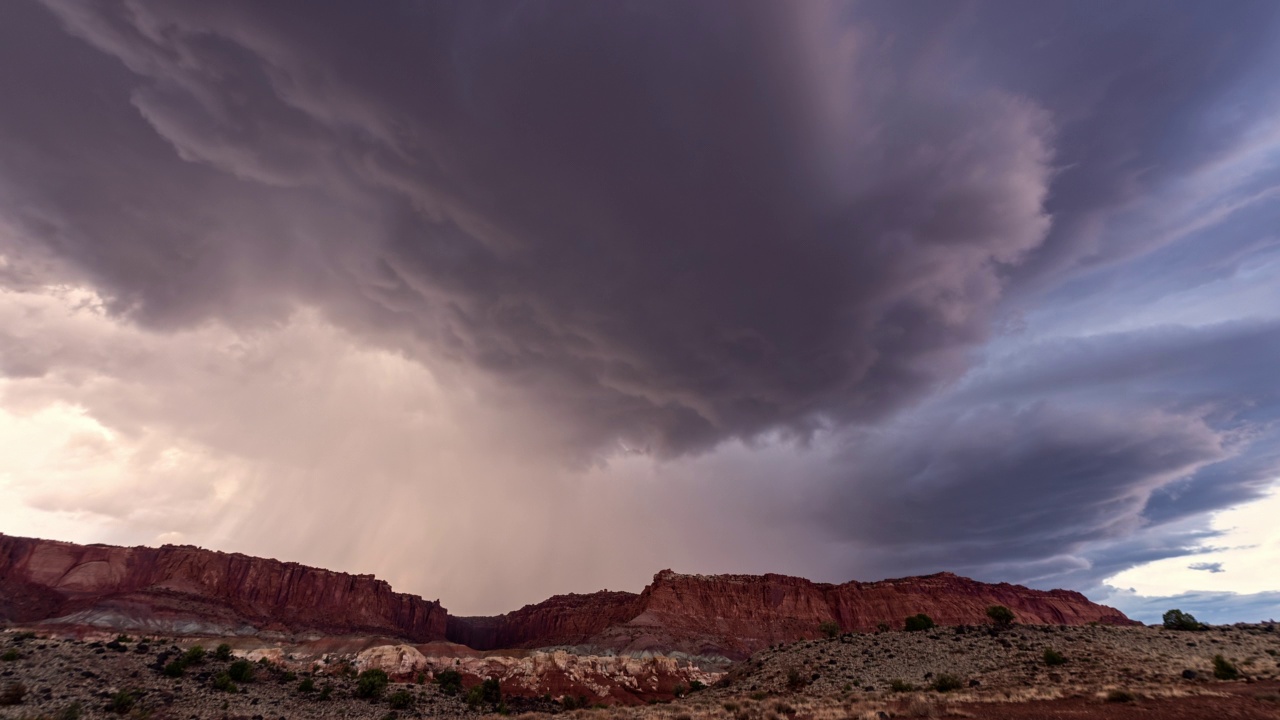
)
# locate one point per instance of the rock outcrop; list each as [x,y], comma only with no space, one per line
[731,616]
[188,590]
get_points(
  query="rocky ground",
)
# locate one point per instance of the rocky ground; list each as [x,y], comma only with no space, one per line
[1105,672]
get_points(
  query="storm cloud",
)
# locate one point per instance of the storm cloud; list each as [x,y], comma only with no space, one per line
[972,287]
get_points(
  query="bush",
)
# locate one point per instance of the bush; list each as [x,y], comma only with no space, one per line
[122,702]
[1120,696]
[829,628]
[326,691]
[947,683]
[1178,620]
[679,691]
[371,683]
[194,656]
[796,679]
[1002,616]
[695,686]
[1223,669]
[222,682]
[175,669]
[450,681]
[307,686]
[916,623]
[882,627]
[10,655]
[71,712]
[241,671]
[1053,657]
[223,652]
[13,694]
[400,699]
[897,685]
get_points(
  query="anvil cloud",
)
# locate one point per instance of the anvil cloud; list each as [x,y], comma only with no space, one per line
[498,299]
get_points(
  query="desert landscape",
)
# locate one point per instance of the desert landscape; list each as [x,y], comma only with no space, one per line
[181,632]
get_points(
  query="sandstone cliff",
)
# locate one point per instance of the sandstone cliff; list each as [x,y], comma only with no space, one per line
[187,589]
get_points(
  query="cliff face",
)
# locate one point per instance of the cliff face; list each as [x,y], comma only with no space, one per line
[186,590]
[203,590]
[560,620]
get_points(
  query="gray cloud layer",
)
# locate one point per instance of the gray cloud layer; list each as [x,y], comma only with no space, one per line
[663,227]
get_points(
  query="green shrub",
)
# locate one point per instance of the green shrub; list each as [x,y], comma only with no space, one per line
[679,691]
[897,685]
[1120,696]
[450,681]
[222,682]
[10,655]
[947,683]
[1223,669]
[122,702]
[326,691]
[175,669]
[307,686]
[223,653]
[400,699]
[829,628]
[371,683]
[882,627]
[241,671]
[194,656]
[796,679]
[916,623]
[1053,657]
[1002,616]
[71,712]
[1178,620]
[695,686]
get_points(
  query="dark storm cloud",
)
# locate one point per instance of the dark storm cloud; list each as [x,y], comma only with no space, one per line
[1074,460]
[675,222]
[679,223]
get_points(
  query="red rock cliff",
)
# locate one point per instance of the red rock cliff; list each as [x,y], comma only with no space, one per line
[559,620]
[43,579]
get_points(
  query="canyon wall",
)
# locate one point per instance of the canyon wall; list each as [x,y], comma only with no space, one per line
[182,589]
[183,586]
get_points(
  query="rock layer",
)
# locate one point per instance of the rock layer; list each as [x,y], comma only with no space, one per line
[734,615]
[191,590]
[187,590]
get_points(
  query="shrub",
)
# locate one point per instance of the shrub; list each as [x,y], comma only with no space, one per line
[194,656]
[371,683]
[947,683]
[1002,616]
[326,691]
[882,627]
[1223,669]
[916,623]
[175,669]
[679,691]
[222,682]
[307,686]
[1053,657]
[13,694]
[400,699]
[71,712]
[241,671]
[223,652]
[829,628]
[1178,620]
[122,702]
[574,703]
[796,679]
[10,655]
[1120,696]
[897,685]
[695,686]
[450,681]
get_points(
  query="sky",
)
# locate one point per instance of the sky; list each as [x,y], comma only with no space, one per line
[498,300]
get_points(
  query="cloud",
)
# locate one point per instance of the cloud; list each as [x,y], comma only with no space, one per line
[835,289]
[1215,567]
[1210,607]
